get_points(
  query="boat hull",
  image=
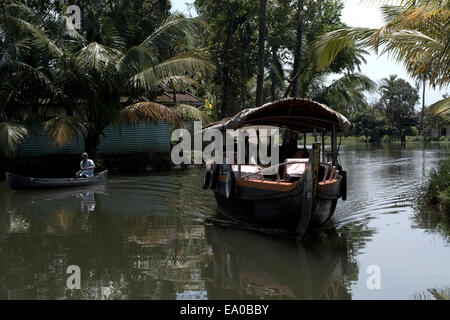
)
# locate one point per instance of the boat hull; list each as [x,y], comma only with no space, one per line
[293,210]
[17,182]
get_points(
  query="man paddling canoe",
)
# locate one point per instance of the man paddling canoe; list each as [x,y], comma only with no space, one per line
[87,167]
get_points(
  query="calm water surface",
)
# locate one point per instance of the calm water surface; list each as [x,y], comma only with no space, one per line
[145,238]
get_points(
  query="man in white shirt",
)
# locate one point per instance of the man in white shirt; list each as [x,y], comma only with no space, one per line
[87,167]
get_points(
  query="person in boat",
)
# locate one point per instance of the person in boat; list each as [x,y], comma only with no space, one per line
[87,167]
[289,148]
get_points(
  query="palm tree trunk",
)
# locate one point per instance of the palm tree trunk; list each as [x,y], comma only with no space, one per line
[298,51]
[225,93]
[423,108]
[261,51]
[225,72]
[273,85]
[91,142]
[403,137]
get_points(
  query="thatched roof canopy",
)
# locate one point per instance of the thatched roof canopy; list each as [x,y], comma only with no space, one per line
[294,113]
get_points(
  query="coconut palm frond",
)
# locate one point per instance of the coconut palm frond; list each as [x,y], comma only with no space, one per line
[442,294]
[325,48]
[190,113]
[177,66]
[75,37]
[176,83]
[24,74]
[347,92]
[11,136]
[172,29]
[136,59]
[146,111]
[440,108]
[96,58]
[14,50]
[112,36]
[38,35]
[414,34]
[186,63]
[63,130]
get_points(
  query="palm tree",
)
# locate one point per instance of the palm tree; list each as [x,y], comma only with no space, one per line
[346,94]
[22,74]
[280,33]
[415,33]
[89,79]
[441,108]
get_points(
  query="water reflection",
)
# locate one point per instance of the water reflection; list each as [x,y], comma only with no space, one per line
[432,221]
[130,255]
[87,201]
[249,265]
[128,244]
[145,238]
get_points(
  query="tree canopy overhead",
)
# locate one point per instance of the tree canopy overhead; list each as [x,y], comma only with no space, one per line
[290,26]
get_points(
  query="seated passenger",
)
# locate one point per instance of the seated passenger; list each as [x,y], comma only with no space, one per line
[301,153]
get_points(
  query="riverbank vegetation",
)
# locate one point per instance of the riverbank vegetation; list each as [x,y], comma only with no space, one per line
[437,188]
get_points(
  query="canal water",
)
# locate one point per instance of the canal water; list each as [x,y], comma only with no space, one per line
[145,237]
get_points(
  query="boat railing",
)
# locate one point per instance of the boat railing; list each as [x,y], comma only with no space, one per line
[331,174]
[330,171]
[269,170]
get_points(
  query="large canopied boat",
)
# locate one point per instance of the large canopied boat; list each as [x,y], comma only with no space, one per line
[307,183]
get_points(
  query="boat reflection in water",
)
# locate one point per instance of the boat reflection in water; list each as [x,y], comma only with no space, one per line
[251,265]
[87,201]
[34,197]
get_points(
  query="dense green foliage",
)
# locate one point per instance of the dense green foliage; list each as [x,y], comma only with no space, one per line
[369,123]
[397,100]
[91,75]
[232,41]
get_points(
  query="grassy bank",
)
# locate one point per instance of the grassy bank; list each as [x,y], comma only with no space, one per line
[350,140]
[437,189]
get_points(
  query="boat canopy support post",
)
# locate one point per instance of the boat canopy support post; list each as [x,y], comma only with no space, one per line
[316,164]
[333,145]
[323,146]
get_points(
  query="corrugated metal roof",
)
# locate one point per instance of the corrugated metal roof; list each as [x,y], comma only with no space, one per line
[151,137]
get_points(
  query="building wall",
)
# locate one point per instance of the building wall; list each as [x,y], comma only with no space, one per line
[151,137]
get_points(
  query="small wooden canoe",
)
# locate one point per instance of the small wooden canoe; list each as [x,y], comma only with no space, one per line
[17,182]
